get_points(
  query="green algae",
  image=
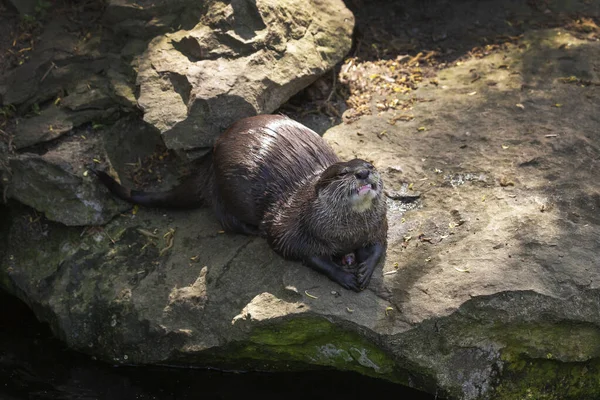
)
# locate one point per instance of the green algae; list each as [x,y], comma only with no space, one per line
[562,341]
[550,362]
[36,250]
[318,342]
[547,379]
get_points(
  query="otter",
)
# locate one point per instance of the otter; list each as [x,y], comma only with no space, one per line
[271,176]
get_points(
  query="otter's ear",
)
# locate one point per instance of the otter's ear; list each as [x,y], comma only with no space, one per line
[328,176]
[321,184]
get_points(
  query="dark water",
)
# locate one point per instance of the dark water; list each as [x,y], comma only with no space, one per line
[35,366]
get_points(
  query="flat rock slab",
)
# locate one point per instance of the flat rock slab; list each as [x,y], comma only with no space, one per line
[60,185]
[490,287]
[506,174]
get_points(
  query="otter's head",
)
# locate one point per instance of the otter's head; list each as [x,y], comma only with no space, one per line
[356,180]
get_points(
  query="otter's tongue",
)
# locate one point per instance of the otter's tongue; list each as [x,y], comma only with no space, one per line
[364,189]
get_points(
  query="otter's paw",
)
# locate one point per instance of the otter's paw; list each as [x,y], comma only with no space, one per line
[325,266]
[347,280]
[364,273]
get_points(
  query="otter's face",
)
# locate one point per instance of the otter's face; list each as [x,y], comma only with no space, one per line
[356,180]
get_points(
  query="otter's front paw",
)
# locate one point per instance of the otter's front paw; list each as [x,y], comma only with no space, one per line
[368,257]
[365,272]
[346,280]
[325,266]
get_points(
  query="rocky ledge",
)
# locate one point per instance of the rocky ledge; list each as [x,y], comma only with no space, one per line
[490,288]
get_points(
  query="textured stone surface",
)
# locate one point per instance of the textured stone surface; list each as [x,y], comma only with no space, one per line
[490,288]
[59,184]
[482,281]
[244,58]
[68,82]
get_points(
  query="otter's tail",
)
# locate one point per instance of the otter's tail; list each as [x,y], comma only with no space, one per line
[193,192]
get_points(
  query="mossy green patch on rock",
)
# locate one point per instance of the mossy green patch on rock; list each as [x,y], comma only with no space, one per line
[565,342]
[550,361]
[293,332]
[35,249]
[317,341]
[545,379]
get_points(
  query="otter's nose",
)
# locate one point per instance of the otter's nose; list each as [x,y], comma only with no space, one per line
[363,174]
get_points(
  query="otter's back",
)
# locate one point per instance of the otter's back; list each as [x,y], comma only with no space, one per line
[260,160]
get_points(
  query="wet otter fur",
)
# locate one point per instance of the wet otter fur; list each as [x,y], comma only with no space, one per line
[271,176]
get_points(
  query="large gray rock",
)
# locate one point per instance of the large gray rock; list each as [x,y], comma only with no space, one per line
[128,18]
[244,58]
[490,287]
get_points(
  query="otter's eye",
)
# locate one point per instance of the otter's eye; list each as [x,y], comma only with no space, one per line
[343,172]
[369,166]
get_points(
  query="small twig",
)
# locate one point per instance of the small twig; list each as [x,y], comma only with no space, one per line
[333,88]
[169,245]
[333,110]
[108,236]
[170,238]
[52,66]
[147,233]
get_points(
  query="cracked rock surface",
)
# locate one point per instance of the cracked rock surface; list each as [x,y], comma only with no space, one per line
[244,58]
[490,288]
